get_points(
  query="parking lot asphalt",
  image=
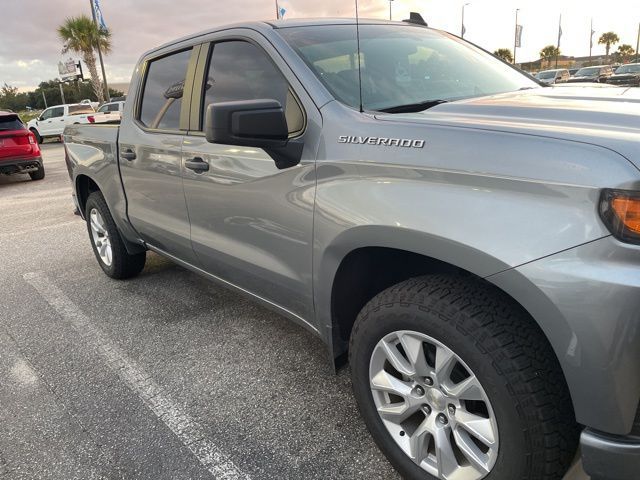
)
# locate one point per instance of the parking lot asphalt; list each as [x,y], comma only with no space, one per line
[165,376]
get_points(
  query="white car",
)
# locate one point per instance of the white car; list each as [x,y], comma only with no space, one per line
[53,120]
[109,112]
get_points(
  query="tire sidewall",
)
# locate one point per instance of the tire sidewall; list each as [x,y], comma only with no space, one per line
[511,462]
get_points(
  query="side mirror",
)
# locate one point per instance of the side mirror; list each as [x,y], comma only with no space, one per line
[253,123]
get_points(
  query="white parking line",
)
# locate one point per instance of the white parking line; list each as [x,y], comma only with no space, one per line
[190,433]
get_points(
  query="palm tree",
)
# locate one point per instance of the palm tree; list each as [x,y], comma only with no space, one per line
[505,54]
[82,35]
[607,39]
[625,52]
[548,53]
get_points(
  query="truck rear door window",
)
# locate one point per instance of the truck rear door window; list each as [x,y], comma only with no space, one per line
[163,89]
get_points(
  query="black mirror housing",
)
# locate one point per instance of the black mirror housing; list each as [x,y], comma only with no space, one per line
[253,123]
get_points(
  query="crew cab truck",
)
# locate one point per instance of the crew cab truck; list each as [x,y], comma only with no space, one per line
[53,120]
[467,241]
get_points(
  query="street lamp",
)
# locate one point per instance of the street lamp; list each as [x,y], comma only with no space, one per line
[390,9]
[462,29]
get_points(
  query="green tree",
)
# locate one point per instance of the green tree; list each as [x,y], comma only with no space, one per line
[82,35]
[505,54]
[607,39]
[548,53]
[625,53]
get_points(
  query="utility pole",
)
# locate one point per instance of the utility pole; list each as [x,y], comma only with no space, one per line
[44,97]
[462,29]
[104,75]
[390,10]
[61,92]
[515,38]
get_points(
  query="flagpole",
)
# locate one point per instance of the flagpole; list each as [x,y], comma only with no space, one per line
[277,11]
[559,35]
[104,75]
[638,43]
[515,38]
[591,41]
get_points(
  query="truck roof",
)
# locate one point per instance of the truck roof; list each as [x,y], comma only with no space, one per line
[279,24]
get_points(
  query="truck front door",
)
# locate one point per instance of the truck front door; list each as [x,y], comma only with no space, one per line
[149,147]
[251,223]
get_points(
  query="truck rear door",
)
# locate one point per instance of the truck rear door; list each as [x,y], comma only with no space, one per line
[149,147]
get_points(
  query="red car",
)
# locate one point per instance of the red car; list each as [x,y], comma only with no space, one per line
[19,150]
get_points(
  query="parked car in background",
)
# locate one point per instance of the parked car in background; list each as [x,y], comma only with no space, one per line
[551,77]
[19,150]
[626,75]
[573,71]
[466,239]
[108,112]
[598,74]
[52,120]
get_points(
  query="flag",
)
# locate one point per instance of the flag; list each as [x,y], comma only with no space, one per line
[282,11]
[559,30]
[592,32]
[98,12]
[464,30]
[518,36]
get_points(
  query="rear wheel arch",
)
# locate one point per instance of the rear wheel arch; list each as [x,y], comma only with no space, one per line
[85,186]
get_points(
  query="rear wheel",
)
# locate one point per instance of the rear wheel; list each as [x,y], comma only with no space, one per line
[455,381]
[107,243]
[38,174]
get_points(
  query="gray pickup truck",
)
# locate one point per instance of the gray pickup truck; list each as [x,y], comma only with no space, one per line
[466,239]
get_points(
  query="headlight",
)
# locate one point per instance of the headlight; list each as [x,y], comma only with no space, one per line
[620,211]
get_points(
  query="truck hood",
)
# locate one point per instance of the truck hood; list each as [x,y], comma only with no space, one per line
[609,117]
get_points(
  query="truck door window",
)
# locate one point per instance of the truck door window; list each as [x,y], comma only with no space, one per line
[242,71]
[57,112]
[163,89]
[46,115]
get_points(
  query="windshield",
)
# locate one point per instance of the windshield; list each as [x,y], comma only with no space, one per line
[587,72]
[400,65]
[629,68]
[547,74]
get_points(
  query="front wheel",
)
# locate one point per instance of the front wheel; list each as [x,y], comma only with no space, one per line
[37,135]
[455,381]
[107,243]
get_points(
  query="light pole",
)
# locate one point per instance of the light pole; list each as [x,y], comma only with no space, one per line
[462,29]
[515,37]
[390,9]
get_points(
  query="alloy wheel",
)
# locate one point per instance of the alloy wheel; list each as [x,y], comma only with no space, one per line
[433,406]
[100,237]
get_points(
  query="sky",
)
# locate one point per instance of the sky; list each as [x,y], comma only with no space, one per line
[30,49]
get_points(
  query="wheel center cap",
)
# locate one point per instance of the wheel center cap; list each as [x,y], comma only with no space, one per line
[436,399]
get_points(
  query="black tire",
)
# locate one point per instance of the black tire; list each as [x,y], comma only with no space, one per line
[506,351]
[37,135]
[38,174]
[123,264]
